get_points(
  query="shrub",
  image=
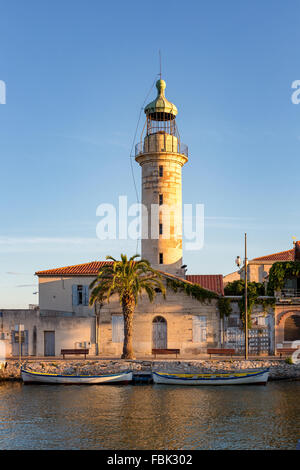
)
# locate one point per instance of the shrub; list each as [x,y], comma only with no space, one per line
[289,360]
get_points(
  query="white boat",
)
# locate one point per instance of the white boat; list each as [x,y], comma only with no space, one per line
[29,376]
[223,378]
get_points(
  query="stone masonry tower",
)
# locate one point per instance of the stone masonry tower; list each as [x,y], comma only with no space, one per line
[161,156]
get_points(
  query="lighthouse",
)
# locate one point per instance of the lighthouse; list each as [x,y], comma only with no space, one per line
[161,154]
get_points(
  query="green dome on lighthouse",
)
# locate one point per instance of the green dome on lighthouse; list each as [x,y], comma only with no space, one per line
[161,109]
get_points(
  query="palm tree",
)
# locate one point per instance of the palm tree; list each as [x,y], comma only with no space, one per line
[128,279]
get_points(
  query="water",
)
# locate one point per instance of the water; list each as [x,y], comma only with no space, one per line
[149,417]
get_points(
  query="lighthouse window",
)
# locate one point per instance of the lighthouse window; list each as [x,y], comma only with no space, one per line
[161,258]
[161,199]
[161,171]
[160,229]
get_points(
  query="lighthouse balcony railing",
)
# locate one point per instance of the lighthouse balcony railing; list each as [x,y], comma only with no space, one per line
[181,148]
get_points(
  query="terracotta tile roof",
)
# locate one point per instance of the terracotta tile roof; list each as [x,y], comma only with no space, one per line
[211,287]
[85,269]
[287,255]
[212,282]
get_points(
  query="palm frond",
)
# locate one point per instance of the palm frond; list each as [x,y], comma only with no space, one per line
[126,277]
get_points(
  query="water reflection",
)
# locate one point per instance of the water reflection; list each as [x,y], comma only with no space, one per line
[149,417]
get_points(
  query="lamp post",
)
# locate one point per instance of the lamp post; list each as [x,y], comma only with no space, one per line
[238,263]
[246,299]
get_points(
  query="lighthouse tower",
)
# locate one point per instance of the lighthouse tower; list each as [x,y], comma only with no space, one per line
[161,156]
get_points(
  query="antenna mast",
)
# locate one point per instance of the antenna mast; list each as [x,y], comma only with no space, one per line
[159,63]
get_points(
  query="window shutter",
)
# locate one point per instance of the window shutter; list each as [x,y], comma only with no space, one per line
[117,322]
[196,329]
[74,295]
[85,295]
[199,329]
[203,328]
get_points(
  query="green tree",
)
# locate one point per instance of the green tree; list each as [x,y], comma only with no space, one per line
[129,279]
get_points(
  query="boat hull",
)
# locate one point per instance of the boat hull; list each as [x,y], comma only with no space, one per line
[30,377]
[244,378]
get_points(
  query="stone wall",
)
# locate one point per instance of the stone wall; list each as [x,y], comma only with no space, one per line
[55,293]
[69,330]
[73,327]
[178,311]
[257,271]
[235,276]
[169,185]
[279,369]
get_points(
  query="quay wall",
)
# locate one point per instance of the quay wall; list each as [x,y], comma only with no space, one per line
[279,369]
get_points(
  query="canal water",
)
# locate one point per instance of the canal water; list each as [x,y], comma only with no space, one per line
[149,417]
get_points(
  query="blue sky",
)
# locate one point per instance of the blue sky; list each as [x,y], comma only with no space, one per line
[77,73]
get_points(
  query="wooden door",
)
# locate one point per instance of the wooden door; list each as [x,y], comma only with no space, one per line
[49,343]
[159,333]
[19,346]
[199,329]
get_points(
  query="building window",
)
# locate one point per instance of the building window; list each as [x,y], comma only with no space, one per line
[161,171]
[161,199]
[234,322]
[160,229]
[261,321]
[199,329]
[161,258]
[117,324]
[80,295]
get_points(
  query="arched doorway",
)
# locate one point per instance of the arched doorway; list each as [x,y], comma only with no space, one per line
[159,333]
[292,328]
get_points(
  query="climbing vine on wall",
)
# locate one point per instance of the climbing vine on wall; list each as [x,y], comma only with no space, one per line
[224,306]
[193,290]
[254,291]
[235,288]
[281,271]
[202,295]
[238,288]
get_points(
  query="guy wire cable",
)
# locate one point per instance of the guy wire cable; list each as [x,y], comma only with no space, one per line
[132,147]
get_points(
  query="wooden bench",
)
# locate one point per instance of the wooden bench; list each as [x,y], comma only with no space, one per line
[165,351]
[74,352]
[220,351]
[285,351]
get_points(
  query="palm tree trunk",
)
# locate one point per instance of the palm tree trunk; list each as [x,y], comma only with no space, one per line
[128,306]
